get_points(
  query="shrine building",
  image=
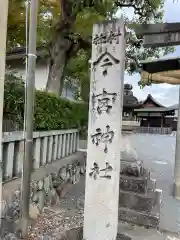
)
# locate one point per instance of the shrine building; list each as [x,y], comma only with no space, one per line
[153,114]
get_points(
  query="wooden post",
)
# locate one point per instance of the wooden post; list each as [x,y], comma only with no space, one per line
[161,120]
[177,157]
[162,123]
[104,131]
[163,35]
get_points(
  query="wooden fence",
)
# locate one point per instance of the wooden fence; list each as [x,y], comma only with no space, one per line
[153,130]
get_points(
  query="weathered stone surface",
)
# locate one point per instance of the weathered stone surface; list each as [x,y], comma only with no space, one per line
[121,236]
[10,236]
[139,218]
[41,199]
[62,174]
[4,208]
[13,207]
[40,185]
[134,169]
[104,131]
[48,184]
[151,185]
[63,189]
[46,191]
[138,198]
[133,184]
[77,234]
[33,211]
[73,234]
[138,202]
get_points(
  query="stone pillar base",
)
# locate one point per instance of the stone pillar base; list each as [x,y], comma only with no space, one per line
[176,190]
[77,234]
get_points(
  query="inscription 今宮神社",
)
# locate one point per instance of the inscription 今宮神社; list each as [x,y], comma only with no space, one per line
[104,131]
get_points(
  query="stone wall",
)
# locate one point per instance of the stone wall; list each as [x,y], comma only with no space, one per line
[45,192]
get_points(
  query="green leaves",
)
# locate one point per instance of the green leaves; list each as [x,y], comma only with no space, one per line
[84,14]
[51,113]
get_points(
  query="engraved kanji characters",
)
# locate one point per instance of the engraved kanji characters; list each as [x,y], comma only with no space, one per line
[107,171]
[95,171]
[104,38]
[106,60]
[103,101]
[100,137]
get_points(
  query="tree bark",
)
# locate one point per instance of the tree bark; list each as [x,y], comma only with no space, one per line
[59,56]
[63,47]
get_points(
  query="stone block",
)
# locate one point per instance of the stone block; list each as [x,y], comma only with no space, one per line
[139,202]
[157,201]
[48,185]
[151,185]
[41,199]
[139,218]
[146,173]
[40,185]
[133,184]
[77,234]
[72,234]
[33,211]
[13,207]
[132,169]
[63,189]
[3,209]
[121,236]
[176,190]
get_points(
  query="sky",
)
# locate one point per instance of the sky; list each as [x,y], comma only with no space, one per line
[165,94]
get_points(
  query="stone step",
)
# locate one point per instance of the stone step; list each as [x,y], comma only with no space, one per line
[139,218]
[139,202]
[137,184]
[151,185]
[133,184]
[121,236]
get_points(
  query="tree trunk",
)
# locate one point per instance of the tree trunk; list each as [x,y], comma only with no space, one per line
[59,52]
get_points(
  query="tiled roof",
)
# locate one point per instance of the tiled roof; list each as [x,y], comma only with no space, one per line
[153,109]
[153,100]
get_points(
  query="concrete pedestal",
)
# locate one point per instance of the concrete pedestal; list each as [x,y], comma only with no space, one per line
[176,190]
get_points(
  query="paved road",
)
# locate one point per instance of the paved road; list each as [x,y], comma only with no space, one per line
[158,153]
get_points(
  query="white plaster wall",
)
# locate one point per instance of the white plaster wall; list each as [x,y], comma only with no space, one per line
[176,113]
[130,123]
[41,75]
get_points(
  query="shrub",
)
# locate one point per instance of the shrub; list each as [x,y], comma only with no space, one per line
[50,112]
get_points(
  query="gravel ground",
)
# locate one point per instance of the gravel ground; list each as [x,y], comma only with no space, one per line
[53,222]
[67,215]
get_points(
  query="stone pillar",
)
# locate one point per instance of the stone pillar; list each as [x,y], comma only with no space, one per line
[104,131]
[177,157]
